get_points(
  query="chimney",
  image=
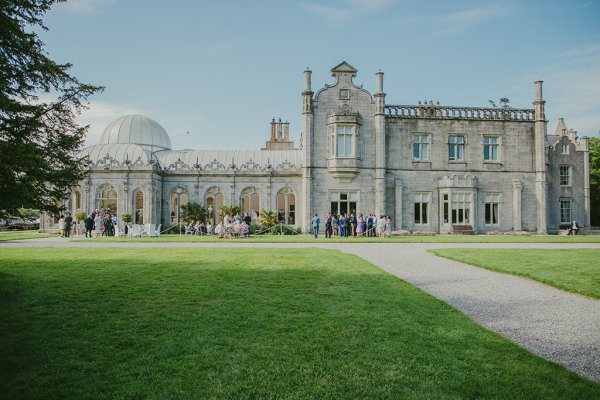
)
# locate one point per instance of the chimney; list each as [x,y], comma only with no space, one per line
[279,131]
[273,130]
[286,131]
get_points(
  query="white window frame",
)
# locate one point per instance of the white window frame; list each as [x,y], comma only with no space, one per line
[421,208]
[420,142]
[566,211]
[491,201]
[564,173]
[343,135]
[564,148]
[491,146]
[456,147]
[461,212]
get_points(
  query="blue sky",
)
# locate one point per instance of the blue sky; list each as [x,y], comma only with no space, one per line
[222,70]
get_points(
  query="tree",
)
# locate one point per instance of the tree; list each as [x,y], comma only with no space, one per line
[228,210]
[39,137]
[193,212]
[267,219]
[595,181]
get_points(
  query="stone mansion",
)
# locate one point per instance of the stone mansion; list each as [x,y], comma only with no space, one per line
[430,167]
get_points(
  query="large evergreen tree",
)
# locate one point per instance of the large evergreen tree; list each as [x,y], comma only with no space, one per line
[38,134]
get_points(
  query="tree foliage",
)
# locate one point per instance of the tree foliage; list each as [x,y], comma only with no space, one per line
[595,180]
[228,210]
[193,212]
[39,101]
[267,219]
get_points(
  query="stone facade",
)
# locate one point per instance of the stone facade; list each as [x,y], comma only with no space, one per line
[430,167]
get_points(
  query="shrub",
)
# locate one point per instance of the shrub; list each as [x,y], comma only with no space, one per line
[126,217]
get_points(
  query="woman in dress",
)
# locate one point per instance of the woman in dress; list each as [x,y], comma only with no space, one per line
[388,226]
[360,225]
[381,226]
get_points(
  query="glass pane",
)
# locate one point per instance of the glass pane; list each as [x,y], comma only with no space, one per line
[424,212]
[416,151]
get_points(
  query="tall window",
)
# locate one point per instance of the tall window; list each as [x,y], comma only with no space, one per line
[456,145]
[77,202]
[421,208]
[286,206]
[138,207]
[461,208]
[564,148]
[565,175]
[343,202]
[179,197]
[107,198]
[420,147]
[491,203]
[446,208]
[251,202]
[345,141]
[565,211]
[214,201]
[490,148]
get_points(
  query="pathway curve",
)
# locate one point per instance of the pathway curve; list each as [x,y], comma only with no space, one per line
[557,325]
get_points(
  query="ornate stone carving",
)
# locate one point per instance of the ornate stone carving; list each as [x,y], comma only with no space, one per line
[286,166]
[214,166]
[434,111]
[250,166]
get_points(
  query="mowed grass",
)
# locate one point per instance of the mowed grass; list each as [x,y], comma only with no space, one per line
[246,323]
[322,239]
[573,270]
[21,235]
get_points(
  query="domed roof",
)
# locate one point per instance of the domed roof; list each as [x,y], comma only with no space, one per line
[137,129]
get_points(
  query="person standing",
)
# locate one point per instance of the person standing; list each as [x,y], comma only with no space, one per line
[68,223]
[247,219]
[89,225]
[328,226]
[61,226]
[314,222]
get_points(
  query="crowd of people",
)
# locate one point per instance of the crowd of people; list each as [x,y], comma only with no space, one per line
[228,227]
[347,225]
[100,222]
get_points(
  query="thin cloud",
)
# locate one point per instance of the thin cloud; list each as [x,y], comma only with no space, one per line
[573,79]
[346,10]
[86,6]
[461,21]
[100,114]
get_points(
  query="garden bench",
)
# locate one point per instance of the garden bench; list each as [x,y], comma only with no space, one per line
[462,229]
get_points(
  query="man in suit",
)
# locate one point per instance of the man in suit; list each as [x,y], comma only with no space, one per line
[68,223]
[314,222]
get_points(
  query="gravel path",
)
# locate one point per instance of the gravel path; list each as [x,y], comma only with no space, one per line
[559,326]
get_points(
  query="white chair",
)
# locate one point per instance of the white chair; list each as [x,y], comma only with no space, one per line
[136,230]
[151,230]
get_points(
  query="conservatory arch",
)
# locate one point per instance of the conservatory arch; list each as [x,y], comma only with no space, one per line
[286,206]
[107,198]
[138,207]
[178,198]
[213,200]
[251,202]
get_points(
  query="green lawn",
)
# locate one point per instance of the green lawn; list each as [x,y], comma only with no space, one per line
[246,323]
[394,239]
[21,235]
[573,270]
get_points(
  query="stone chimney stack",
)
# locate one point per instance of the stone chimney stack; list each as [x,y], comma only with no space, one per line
[279,131]
[273,130]
[286,131]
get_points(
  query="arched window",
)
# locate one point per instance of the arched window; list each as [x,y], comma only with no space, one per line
[213,201]
[138,207]
[251,202]
[286,206]
[107,198]
[179,197]
[76,200]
